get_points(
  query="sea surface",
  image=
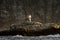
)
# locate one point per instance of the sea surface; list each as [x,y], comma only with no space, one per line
[20,37]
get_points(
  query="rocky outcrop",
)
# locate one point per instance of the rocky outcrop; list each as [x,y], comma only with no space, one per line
[16,11]
[45,32]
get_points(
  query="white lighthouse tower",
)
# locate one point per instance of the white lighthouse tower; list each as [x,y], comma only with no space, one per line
[29,18]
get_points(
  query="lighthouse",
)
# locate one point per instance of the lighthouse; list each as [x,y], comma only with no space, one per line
[29,18]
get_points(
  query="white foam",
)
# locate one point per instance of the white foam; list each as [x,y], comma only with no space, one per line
[18,36]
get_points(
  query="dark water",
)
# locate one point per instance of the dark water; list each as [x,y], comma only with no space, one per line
[18,37]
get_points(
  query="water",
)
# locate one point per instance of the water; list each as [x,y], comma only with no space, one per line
[19,37]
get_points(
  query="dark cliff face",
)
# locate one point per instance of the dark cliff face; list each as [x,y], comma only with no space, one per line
[15,11]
